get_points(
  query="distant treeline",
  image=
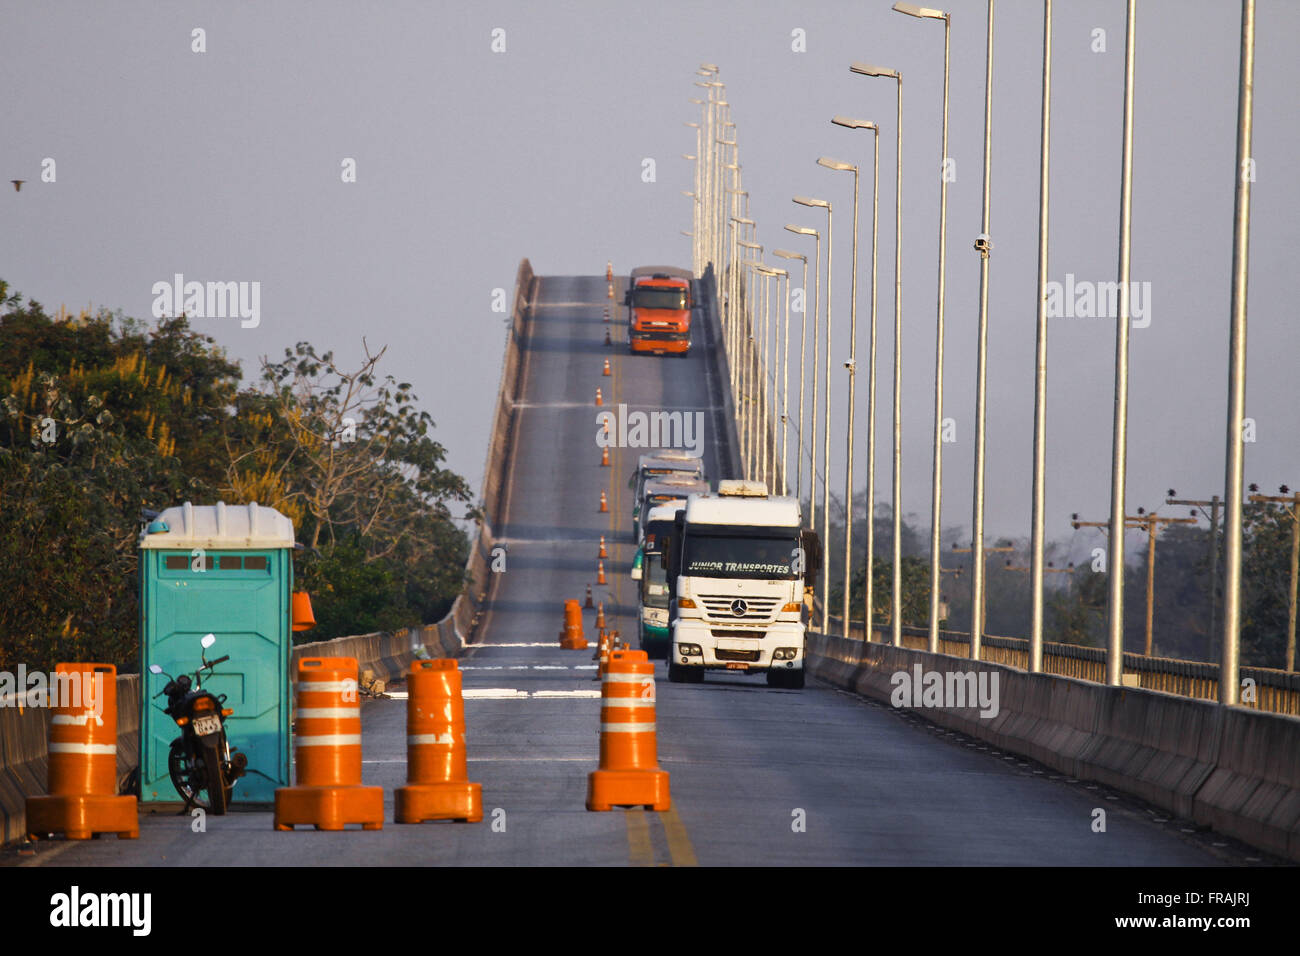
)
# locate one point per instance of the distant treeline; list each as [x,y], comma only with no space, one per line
[1075,602]
[103,416]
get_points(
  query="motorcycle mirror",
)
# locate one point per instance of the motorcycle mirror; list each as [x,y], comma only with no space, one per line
[208,640]
[155,669]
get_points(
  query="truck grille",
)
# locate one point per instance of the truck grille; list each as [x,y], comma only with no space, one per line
[724,655]
[723,607]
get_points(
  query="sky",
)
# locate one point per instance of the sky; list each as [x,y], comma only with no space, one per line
[227,165]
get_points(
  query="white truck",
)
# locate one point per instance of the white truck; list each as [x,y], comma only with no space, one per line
[738,562]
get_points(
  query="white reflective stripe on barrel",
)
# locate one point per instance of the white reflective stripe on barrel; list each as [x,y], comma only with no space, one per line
[328,740]
[627,728]
[94,750]
[628,678]
[78,721]
[423,739]
[627,702]
[324,713]
[326,686]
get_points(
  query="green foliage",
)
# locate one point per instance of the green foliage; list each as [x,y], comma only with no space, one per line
[101,417]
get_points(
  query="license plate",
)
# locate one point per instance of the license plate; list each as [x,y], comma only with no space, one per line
[734,666]
[207,725]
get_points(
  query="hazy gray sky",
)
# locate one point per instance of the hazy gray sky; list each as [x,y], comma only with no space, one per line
[225,165]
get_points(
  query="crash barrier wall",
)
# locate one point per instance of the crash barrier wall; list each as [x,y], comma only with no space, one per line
[24,734]
[1230,768]
[727,445]
[1276,691]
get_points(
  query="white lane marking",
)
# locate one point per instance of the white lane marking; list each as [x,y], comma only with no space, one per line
[568,693]
[397,694]
[493,693]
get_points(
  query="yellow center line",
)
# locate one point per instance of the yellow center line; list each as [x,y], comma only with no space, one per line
[639,850]
[679,842]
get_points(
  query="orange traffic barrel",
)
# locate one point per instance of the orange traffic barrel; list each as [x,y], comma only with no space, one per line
[303,618]
[629,774]
[571,638]
[437,782]
[82,782]
[327,753]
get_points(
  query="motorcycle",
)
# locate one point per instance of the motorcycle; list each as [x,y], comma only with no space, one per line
[201,760]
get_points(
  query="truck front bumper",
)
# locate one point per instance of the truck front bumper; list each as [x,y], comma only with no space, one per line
[694,644]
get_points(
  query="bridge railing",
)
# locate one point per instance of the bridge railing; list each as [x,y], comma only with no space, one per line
[1276,691]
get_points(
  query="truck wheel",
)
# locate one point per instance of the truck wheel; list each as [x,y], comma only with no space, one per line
[694,675]
[794,679]
[675,673]
[774,677]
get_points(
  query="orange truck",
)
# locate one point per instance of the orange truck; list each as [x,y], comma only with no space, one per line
[659,304]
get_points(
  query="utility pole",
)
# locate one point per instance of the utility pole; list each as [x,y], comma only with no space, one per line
[1293,512]
[983,594]
[1150,523]
[1214,504]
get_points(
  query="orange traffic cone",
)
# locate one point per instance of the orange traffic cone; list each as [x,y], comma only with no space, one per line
[606,313]
[571,638]
[599,400]
[600,615]
[607,339]
[603,553]
[607,371]
[600,572]
[604,457]
[327,753]
[588,604]
[609,271]
[303,618]
[437,781]
[611,290]
[629,773]
[604,503]
[82,780]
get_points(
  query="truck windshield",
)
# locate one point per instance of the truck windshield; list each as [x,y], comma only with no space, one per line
[659,298]
[654,583]
[766,555]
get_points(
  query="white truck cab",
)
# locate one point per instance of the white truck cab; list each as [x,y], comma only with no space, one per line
[738,561]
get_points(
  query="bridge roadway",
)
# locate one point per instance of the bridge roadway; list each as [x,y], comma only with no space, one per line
[874,786]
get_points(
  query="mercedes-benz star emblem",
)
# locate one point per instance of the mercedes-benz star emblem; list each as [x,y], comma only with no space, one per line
[739,607]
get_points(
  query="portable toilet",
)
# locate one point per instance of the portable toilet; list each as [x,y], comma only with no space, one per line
[225,570]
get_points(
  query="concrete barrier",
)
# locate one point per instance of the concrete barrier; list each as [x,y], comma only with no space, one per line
[1234,769]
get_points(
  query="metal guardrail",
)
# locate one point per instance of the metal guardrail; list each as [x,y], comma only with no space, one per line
[1276,691]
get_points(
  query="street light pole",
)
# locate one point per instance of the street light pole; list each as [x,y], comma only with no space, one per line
[1119,451]
[812,435]
[936,480]
[984,245]
[1038,534]
[851,365]
[826,409]
[896,597]
[1229,685]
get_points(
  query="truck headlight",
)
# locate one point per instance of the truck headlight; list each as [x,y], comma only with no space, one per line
[785,653]
[690,650]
